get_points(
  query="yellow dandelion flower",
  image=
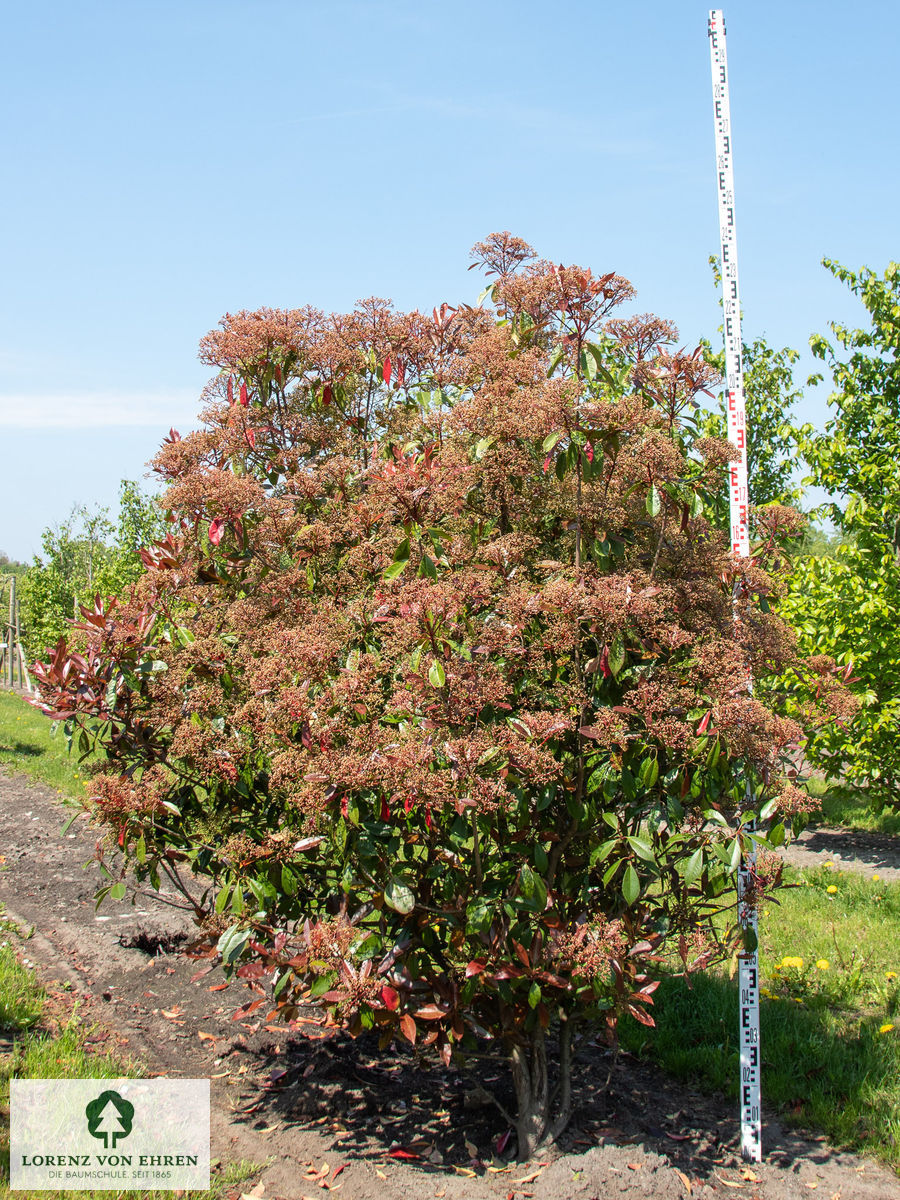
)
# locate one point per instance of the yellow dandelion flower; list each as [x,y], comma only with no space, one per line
[822,964]
[792,961]
[828,864]
[797,1000]
[886,1027]
[875,878]
[765,992]
[890,974]
[831,889]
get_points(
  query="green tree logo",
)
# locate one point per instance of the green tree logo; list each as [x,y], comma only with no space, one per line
[109,1117]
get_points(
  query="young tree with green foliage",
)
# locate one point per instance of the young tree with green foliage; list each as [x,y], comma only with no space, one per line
[845,605]
[439,681]
[770,396]
[83,556]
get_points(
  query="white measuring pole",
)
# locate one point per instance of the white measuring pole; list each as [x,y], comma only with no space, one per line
[748,962]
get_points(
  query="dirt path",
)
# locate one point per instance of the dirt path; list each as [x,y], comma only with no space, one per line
[868,853]
[398,1127]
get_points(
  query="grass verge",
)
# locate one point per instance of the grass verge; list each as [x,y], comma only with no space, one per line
[28,745]
[830,1013]
[852,809]
[29,1049]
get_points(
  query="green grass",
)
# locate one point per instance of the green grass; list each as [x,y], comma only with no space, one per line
[851,808]
[28,745]
[827,1064]
[39,1053]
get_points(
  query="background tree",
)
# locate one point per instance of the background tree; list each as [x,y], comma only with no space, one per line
[436,681]
[83,556]
[845,605]
[771,396]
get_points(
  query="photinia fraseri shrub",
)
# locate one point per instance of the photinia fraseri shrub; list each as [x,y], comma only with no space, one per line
[438,684]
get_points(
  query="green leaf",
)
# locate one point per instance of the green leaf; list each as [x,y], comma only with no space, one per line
[631,885]
[642,849]
[694,867]
[653,502]
[322,984]
[600,853]
[479,915]
[117,891]
[616,660]
[532,889]
[550,441]
[436,676]
[232,943]
[396,568]
[399,897]
[428,569]
[534,995]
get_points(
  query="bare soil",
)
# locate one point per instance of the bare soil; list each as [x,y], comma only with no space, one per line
[387,1125]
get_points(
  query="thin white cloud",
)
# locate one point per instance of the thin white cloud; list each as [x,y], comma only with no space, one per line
[98,410]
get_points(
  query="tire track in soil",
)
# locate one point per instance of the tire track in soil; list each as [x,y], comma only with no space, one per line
[299,1097]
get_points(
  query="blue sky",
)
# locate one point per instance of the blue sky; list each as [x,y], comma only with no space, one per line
[167,163]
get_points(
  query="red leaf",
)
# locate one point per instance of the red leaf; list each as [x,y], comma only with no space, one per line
[702,727]
[408,1028]
[327,394]
[589,452]
[215,530]
[385,811]
[251,438]
[391,998]
[547,463]
[386,372]
[401,372]
[401,1153]
[430,1012]
[122,837]
[244,398]
[231,389]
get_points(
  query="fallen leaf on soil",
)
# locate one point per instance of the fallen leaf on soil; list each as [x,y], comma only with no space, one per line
[728,1182]
[217,987]
[746,1173]
[205,1037]
[464,1171]
[633,1166]
[220,1075]
[380,1174]
[401,1153]
[172,1013]
[688,1187]
[529,1178]
[811,1185]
